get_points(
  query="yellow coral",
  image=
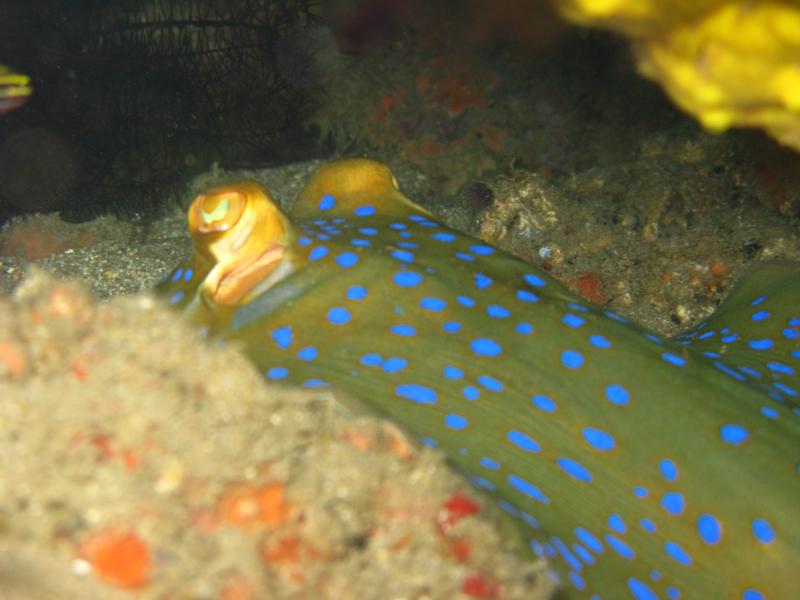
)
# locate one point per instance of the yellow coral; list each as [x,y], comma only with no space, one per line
[635,17]
[728,62]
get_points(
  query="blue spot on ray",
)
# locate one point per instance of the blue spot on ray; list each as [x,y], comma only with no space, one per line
[452,327]
[433,304]
[673,359]
[763,531]
[620,547]
[317,253]
[489,463]
[407,279]
[527,296]
[364,211]
[785,389]
[573,321]
[709,529]
[356,292]
[590,540]
[454,421]
[523,441]
[403,255]
[394,364]
[543,403]
[571,359]
[471,392]
[485,347]
[308,353]
[465,301]
[497,312]
[574,469]
[760,344]
[481,249]
[416,393]
[339,315]
[769,412]
[283,336]
[616,394]
[583,554]
[616,523]
[640,590]
[490,383]
[647,525]
[347,259]
[371,360]
[443,237]
[482,281]
[534,280]
[315,383]
[733,434]
[277,373]
[673,503]
[780,368]
[528,489]
[668,469]
[403,330]
[524,328]
[677,553]
[452,372]
[599,440]
[562,548]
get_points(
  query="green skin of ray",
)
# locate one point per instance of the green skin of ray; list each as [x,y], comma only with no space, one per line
[674,412]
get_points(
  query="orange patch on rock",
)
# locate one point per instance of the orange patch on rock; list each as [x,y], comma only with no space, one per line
[461,550]
[32,240]
[13,362]
[251,507]
[239,588]
[455,508]
[590,287]
[478,586]
[119,557]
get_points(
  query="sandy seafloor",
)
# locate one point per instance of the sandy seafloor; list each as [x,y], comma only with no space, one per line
[122,431]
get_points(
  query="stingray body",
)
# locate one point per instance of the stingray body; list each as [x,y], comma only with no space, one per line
[641,467]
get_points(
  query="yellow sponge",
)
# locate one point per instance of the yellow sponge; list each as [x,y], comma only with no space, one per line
[727,62]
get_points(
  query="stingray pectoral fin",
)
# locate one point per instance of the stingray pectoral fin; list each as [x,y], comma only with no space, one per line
[353,186]
[756,330]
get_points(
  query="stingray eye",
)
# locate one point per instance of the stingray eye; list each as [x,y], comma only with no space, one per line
[217,212]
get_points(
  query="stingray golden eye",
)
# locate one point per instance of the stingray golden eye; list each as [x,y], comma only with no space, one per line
[216,212]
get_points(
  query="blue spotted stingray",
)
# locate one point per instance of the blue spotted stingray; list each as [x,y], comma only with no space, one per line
[641,467]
